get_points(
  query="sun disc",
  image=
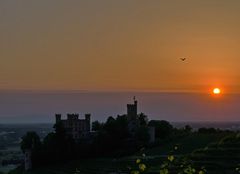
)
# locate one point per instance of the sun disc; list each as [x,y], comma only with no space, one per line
[216,91]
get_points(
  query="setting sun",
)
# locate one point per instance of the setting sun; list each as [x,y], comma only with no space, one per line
[216,91]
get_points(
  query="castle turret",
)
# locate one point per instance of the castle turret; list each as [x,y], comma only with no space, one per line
[133,122]
[132,110]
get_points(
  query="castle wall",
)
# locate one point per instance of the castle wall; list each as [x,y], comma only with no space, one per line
[75,127]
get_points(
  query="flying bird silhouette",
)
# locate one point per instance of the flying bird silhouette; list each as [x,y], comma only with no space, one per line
[183,58]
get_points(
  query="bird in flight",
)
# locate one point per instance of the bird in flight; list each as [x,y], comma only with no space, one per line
[183,58]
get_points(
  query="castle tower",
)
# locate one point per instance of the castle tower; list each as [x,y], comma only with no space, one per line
[133,122]
[132,110]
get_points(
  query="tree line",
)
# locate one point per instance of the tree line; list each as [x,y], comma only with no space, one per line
[110,139]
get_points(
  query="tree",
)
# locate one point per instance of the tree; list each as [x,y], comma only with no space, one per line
[96,126]
[188,129]
[50,145]
[64,143]
[142,135]
[30,141]
[109,126]
[143,120]
[162,128]
[59,130]
[207,130]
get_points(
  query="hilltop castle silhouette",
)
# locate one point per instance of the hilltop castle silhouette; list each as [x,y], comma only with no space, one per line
[81,128]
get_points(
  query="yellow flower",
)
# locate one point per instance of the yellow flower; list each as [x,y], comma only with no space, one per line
[164,171]
[201,172]
[135,172]
[171,158]
[142,167]
[138,161]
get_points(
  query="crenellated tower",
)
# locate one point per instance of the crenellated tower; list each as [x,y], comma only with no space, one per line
[132,110]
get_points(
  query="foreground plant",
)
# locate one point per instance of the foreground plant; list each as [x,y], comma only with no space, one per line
[238,168]
[171,163]
[139,166]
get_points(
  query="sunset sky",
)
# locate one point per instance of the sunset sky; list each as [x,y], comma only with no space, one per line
[120,45]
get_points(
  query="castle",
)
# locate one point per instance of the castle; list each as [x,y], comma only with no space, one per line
[80,129]
[133,122]
[75,127]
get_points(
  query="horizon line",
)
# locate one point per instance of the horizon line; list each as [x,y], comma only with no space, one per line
[178,121]
[111,91]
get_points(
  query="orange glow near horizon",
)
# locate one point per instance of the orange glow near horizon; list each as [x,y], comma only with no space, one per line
[127,46]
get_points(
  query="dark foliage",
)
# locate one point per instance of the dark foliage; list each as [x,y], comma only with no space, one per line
[31,141]
[111,138]
[207,130]
[96,126]
[143,119]
[163,129]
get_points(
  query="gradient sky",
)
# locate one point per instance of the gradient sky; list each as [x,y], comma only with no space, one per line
[41,107]
[120,45]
